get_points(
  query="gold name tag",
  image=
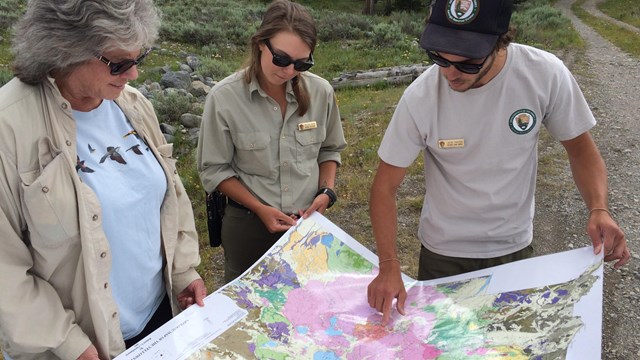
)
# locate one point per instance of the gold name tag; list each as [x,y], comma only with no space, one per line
[450,143]
[307,125]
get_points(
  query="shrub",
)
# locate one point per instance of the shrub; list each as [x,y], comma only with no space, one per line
[386,34]
[10,11]
[410,23]
[543,26]
[5,76]
[169,107]
[214,68]
[341,26]
[205,22]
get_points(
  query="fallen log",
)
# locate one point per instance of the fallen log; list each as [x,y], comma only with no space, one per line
[390,75]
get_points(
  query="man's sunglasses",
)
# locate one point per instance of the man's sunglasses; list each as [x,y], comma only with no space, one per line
[121,67]
[282,60]
[462,66]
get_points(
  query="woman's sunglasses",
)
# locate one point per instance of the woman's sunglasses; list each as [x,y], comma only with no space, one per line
[122,66]
[282,60]
[463,66]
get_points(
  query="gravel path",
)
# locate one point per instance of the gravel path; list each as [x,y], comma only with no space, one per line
[610,80]
[590,6]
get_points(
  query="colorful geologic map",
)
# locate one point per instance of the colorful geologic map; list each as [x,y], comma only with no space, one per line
[306,299]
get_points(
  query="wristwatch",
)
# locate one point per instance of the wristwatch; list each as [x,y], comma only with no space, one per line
[330,193]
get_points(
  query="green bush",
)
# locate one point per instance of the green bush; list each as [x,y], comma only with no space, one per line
[170,107]
[10,11]
[386,34]
[410,23]
[333,25]
[543,26]
[205,22]
[5,76]
[214,68]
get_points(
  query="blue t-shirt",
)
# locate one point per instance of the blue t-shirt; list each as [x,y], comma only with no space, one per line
[130,184]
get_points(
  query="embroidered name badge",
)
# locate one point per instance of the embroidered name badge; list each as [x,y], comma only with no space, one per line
[450,143]
[307,125]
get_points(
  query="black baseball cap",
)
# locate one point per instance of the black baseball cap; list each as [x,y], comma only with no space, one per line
[468,28]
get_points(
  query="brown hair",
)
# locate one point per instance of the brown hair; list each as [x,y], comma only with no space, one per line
[283,15]
[505,39]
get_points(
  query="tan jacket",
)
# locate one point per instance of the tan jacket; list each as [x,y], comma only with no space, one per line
[54,257]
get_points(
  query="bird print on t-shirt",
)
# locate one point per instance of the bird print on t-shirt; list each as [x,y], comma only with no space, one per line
[81,166]
[135,133]
[113,154]
[135,149]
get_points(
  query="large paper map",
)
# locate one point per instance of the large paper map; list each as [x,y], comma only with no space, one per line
[306,299]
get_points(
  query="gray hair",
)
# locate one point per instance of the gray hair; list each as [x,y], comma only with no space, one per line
[59,35]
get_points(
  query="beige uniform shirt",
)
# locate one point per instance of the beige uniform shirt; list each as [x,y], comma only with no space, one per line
[54,257]
[243,135]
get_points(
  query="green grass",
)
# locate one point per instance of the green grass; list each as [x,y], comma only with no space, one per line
[627,11]
[623,38]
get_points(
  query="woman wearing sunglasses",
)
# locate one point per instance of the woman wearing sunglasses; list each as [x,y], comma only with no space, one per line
[98,246]
[271,138]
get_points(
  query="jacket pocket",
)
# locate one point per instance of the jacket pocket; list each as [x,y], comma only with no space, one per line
[252,153]
[308,144]
[49,199]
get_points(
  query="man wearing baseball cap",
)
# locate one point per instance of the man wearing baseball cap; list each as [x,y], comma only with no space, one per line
[477,114]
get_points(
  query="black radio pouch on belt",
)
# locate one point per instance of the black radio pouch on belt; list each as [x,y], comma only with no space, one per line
[216,202]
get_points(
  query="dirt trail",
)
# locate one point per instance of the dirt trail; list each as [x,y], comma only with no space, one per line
[610,79]
[590,6]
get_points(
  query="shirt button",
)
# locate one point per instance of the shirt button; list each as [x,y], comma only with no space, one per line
[106,285]
[275,108]
[286,188]
[45,189]
[285,164]
[64,105]
[251,146]
[103,254]
[94,217]
[68,142]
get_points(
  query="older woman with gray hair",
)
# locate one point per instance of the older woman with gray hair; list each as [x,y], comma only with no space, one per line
[98,245]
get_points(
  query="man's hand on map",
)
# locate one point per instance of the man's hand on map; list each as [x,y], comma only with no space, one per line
[91,353]
[604,231]
[194,293]
[386,287]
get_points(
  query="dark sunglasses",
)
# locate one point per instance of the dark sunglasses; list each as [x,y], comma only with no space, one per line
[121,67]
[462,66]
[282,60]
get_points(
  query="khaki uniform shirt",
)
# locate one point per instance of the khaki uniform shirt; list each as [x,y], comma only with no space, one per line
[243,135]
[54,257]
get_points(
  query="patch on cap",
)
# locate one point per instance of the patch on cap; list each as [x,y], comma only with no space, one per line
[462,11]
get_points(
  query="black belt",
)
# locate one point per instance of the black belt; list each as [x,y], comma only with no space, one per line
[237,205]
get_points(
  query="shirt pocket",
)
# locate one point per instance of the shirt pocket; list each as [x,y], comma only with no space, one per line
[252,153]
[308,144]
[49,200]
